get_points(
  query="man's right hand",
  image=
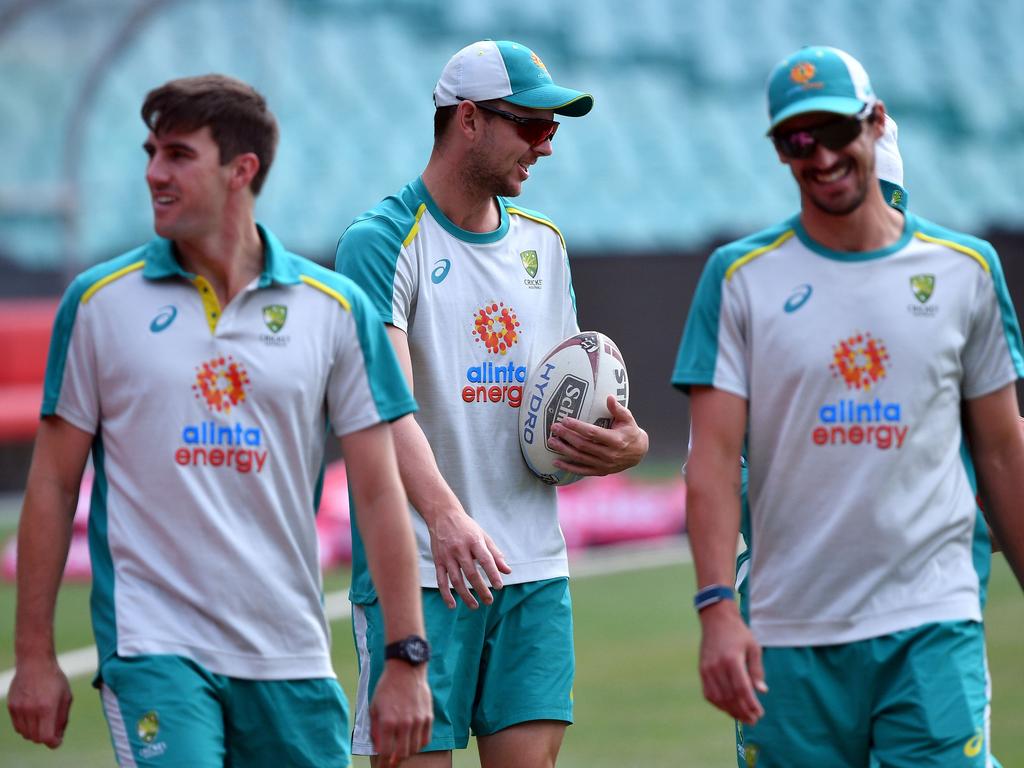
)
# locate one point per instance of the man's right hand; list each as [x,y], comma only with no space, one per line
[458,544]
[730,663]
[39,701]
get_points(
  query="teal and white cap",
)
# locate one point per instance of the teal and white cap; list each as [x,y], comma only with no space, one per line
[818,79]
[499,69]
[889,166]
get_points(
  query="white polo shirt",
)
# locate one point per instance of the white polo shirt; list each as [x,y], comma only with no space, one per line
[479,310]
[210,426]
[854,367]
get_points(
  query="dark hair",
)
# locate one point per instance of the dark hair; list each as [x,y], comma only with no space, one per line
[443,117]
[235,112]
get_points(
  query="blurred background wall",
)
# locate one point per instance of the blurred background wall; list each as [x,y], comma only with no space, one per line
[671,161]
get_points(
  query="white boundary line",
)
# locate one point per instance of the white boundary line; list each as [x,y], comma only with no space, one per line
[593,562]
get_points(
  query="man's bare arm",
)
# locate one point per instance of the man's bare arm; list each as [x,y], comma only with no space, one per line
[40,697]
[457,542]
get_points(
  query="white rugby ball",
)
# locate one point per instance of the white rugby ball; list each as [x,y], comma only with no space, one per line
[573,379]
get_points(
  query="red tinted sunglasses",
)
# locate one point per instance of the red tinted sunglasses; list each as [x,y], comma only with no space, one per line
[532,130]
[833,135]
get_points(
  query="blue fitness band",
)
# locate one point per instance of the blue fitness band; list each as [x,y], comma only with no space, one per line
[714,593]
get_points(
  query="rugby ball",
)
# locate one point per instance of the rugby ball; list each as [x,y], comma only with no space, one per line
[573,379]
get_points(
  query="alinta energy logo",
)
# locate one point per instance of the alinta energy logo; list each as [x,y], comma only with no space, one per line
[222,385]
[802,73]
[497,327]
[861,361]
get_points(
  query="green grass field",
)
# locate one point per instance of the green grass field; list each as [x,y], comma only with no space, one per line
[638,700]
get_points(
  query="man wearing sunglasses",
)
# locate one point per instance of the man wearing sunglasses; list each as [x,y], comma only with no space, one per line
[474,289]
[838,352]
[889,170]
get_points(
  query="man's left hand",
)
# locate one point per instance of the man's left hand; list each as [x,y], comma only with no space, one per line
[592,450]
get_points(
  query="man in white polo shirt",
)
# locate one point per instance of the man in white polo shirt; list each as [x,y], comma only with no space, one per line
[848,352]
[203,371]
[474,290]
[889,170]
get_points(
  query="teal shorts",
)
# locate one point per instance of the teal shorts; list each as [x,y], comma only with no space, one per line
[913,699]
[170,711]
[505,663]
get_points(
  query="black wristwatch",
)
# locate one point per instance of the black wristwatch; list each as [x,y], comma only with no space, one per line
[413,649]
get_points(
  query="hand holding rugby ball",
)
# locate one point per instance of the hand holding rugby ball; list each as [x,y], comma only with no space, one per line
[572,380]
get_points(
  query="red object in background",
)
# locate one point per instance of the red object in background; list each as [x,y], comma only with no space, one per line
[592,512]
[25,326]
[78,564]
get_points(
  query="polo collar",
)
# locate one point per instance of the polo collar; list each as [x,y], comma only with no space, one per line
[477,238]
[278,264]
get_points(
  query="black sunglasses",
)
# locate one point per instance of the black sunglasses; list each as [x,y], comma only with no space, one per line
[532,130]
[834,135]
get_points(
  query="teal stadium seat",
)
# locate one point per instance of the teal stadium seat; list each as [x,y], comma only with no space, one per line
[672,156]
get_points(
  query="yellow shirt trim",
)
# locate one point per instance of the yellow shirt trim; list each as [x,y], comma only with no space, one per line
[111,278]
[956,247]
[749,257]
[415,227]
[211,304]
[311,281]
[545,222]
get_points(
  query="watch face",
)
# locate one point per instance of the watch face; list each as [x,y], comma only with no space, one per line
[412,649]
[417,650]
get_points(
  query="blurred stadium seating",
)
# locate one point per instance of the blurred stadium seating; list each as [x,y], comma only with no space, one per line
[672,157]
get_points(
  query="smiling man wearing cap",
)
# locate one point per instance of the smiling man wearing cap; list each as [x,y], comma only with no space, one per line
[840,349]
[474,290]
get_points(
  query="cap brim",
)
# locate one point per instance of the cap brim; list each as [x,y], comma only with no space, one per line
[562,101]
[840,105]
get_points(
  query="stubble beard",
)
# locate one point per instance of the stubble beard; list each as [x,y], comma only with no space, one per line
[479,174]
[843,207]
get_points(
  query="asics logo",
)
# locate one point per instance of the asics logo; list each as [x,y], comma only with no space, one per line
[973,746]
[440,271]
[164,318]
[798,298]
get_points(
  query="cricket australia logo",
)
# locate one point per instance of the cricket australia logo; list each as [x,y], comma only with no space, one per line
[922,286]
[274,317]
[148,729]
[531,263]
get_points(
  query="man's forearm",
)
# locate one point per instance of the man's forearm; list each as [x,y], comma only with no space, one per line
[44,536]
[427,489]
[1002,509]
[712,523]
[392,557]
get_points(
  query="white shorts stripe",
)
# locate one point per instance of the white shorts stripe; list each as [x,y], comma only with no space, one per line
[118,732]
[362,743]
[988,714]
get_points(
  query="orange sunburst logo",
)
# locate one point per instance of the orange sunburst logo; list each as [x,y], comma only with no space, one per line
[495,325]
[221,383]
[536,60]
[860,361]
[802,72]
